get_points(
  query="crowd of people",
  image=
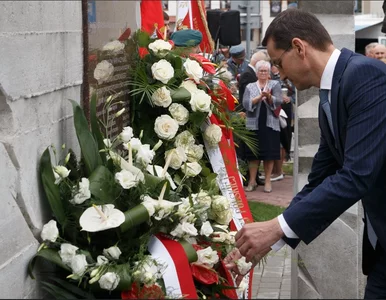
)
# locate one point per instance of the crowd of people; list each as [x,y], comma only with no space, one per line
[266,102]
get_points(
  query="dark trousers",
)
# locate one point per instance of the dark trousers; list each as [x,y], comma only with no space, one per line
[376,280]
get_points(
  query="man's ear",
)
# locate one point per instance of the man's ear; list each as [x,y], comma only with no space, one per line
[299,46]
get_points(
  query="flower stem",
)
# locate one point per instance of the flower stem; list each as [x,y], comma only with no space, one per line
[167,163]
[161,195]
[130,154]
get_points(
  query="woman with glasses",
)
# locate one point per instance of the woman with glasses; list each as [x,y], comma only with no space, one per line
[260,99]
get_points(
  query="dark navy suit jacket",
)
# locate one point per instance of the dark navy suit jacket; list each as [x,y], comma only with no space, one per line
[353,165]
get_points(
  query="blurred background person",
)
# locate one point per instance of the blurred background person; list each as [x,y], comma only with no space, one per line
[379,51]
[237,63]
[260,99]
[289,98]
[248,76]
[369,50]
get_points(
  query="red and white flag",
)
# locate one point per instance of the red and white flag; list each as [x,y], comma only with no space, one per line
[152,16]
[192,14]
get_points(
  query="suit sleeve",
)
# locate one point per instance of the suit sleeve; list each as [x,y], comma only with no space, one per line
[245,79]
[329,194]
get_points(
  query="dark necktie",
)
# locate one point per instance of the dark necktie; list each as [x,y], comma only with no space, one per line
[323,95]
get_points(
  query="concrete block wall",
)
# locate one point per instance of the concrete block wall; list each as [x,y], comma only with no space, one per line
[330,266]
[41,68]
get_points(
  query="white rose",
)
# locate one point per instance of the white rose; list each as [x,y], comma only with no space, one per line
[243,266]
[184,229]
[160,47]
[213,134]
[200,101]
[206,229]
[126,134]
[223,217]
[191,169]
[134,143]
[177,157]
[78,264]
[150,207]
[193,70]
[103,71]
[102,260]
[207,257]
[144,155]
[67,252]
[114,46]
[165,127]
[179,113]
[203,198]
[185,140]
[189,85]
[161,97]
[220,203]
[109,281]
[162,71]
[50,231]
[114,252]
[194,152]
[126,179]
[83,193]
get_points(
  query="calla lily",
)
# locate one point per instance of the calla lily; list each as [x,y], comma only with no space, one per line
[159,170]
[101,217]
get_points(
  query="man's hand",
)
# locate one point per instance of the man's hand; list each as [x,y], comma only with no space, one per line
[254,239]
[230,263]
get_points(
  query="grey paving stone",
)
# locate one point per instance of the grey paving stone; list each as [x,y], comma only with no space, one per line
[285,293]
[286,277]
[270,285]
[273,269]
[285,287]
[269,290]
[272,274]
[272,295]
[271,279]
[285,297]
[286,282]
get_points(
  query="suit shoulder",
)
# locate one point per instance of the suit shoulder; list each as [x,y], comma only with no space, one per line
[362,65]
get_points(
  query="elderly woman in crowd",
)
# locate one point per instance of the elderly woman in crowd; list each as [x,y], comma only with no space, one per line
[260,99]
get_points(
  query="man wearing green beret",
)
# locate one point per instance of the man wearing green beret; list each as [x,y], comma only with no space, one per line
[188,39]
[237,63]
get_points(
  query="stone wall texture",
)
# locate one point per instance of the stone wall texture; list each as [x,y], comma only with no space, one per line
[330,266]
[41,68]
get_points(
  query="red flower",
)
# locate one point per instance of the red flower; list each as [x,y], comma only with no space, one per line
[204,274]
[146,292]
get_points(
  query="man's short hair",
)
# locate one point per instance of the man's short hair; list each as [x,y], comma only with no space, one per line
[295,23]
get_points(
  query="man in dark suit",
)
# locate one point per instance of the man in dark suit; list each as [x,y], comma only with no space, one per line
[350,163]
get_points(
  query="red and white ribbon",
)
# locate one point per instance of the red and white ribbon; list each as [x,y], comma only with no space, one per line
[224,163]
[177,276]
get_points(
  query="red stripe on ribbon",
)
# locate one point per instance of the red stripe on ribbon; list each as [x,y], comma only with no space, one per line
[230,160]
[182,265]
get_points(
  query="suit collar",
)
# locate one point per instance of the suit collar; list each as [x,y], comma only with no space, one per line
[338,73]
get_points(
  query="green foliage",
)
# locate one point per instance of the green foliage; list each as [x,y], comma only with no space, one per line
[50,188]
[86,140]
[103,186]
